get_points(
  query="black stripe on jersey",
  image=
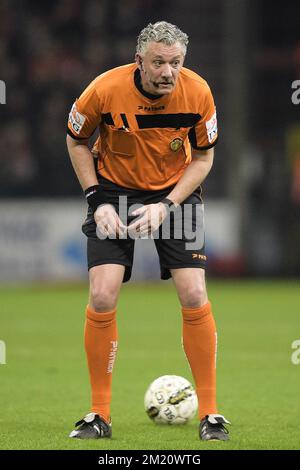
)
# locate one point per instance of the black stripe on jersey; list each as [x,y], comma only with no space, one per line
[206,147]
[192,138]
[124,119]
[193,141]
[107,118]
[167,120]
[75,136]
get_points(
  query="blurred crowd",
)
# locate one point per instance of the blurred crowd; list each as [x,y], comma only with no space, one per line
[51,50]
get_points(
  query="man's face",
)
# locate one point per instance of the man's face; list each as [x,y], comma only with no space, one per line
[160,67]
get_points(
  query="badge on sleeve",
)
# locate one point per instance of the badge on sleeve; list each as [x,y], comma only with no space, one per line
[76,119]
[212,128]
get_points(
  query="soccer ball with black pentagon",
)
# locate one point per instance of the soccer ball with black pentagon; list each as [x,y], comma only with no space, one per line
[171,399]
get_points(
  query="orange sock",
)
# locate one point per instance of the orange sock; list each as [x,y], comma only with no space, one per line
[200,346]
[101,342]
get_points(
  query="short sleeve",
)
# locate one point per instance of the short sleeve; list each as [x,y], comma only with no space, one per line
[85,114]
[204,134]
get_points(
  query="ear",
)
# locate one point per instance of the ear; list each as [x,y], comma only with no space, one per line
[139,61]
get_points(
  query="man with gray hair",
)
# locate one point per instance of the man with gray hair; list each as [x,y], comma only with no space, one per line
[157,129]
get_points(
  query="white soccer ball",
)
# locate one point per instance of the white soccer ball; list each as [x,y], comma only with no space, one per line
[171,399]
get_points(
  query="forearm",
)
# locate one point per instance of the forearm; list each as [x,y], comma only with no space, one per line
[83,163]
[193,176]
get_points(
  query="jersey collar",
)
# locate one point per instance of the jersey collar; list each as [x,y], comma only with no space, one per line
[138,84]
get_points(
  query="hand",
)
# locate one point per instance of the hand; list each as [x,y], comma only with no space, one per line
[108,222]
[150,218]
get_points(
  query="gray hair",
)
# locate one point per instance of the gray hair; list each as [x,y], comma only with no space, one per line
[161,31]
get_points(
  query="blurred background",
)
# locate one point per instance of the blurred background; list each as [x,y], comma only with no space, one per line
[247,50]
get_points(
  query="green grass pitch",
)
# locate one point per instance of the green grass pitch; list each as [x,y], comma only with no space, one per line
[44,383]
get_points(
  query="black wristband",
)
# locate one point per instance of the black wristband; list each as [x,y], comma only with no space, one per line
[168,203]
[94,196]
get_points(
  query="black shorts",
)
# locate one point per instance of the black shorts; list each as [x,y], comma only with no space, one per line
[178,244]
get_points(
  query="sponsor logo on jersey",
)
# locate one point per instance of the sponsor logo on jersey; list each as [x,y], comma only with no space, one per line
[212,128]
[199,256]
[151,108]
[76,119]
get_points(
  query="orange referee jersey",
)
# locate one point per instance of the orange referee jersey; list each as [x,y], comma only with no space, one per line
[144,143]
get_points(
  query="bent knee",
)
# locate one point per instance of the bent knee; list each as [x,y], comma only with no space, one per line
[103,299]
[194,296]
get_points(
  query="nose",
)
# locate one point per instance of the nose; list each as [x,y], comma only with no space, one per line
[167,71]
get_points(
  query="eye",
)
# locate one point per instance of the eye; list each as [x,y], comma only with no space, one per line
[176,63]
[157,63]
